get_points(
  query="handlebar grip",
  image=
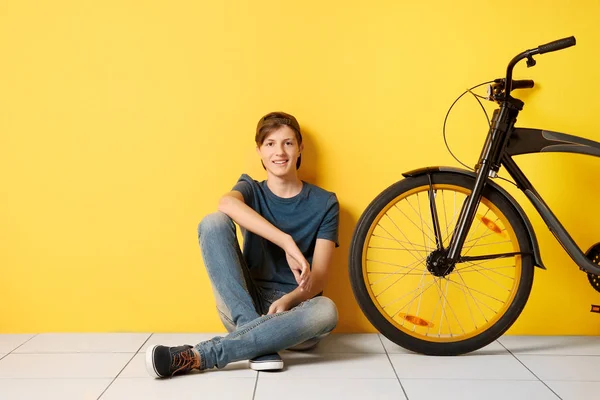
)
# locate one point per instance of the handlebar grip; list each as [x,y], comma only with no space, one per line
[557,45]
[522,84]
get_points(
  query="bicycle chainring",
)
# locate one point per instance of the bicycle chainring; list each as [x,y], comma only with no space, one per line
[593,254]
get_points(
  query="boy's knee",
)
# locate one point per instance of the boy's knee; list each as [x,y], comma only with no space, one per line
[327,312]
[214,221]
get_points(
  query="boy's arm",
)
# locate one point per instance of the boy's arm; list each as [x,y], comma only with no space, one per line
[319,274]
[234,206]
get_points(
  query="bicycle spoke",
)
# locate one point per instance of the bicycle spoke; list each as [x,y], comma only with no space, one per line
[443,309]
[474,231]
[452,309]
[399,230]
[392,273]
[469,306]
[473,297]
[418,213]
[421,295]
[434,312]
[421,217]
[394,248]
[396,272]
[480,292]
[489,244]
[487,269]
[397,240]
[407,294]
[396,281]
[419,303]
[495,283]
[396,265]
[481,237]
[452,221]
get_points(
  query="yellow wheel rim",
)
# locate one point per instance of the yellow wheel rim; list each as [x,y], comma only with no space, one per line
[459,306]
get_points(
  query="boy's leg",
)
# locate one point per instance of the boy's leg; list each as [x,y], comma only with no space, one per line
[271,361]
[235,293]
[270,333]
[266,298]
[309,344]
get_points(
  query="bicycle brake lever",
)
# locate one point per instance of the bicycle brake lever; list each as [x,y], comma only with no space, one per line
[530,62]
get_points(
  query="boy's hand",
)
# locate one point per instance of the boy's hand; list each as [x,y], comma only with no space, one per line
[298,265]
[280,305]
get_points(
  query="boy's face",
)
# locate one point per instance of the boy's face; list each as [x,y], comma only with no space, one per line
[280,151]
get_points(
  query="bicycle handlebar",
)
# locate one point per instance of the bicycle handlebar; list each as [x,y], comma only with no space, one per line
[557,45]
[522,84]
[545,48]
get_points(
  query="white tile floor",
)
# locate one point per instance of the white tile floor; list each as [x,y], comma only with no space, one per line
[359,366]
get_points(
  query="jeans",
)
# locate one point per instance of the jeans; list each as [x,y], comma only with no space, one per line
[242,305]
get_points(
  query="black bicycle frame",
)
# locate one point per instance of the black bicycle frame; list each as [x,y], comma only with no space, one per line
[503,142]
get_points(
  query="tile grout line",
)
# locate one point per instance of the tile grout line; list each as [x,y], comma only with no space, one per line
[76,352]
[16,348]
[122,369]
[392,364]
[560,355]
[255,385]
[523,364]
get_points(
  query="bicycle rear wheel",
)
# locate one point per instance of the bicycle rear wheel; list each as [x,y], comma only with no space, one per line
[420,307]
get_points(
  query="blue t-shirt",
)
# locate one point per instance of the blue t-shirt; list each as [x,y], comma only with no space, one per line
[310,215]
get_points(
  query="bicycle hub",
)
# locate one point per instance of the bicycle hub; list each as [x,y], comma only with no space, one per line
[438,264]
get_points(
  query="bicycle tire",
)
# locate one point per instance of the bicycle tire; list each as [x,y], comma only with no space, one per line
[407,336]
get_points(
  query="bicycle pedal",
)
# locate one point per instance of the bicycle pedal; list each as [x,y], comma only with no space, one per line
[595,309]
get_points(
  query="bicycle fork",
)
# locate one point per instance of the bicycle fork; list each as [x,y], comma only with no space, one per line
[488,165]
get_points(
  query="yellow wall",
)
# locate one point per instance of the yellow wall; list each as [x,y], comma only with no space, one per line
[123,121]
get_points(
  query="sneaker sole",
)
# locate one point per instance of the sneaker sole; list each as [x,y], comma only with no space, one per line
[266,365]
[150,362]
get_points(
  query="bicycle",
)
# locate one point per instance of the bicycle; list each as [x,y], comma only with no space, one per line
[439,281]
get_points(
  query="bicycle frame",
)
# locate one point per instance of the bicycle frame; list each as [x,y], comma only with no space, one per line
[503,141]
[528,141]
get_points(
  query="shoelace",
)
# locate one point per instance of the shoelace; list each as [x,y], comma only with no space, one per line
[184,361]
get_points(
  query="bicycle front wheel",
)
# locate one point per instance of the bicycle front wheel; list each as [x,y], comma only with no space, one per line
[419,306]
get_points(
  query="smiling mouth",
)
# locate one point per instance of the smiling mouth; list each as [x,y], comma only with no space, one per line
[280,162]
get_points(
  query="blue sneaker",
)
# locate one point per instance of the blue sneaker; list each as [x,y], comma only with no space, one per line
[268,362]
